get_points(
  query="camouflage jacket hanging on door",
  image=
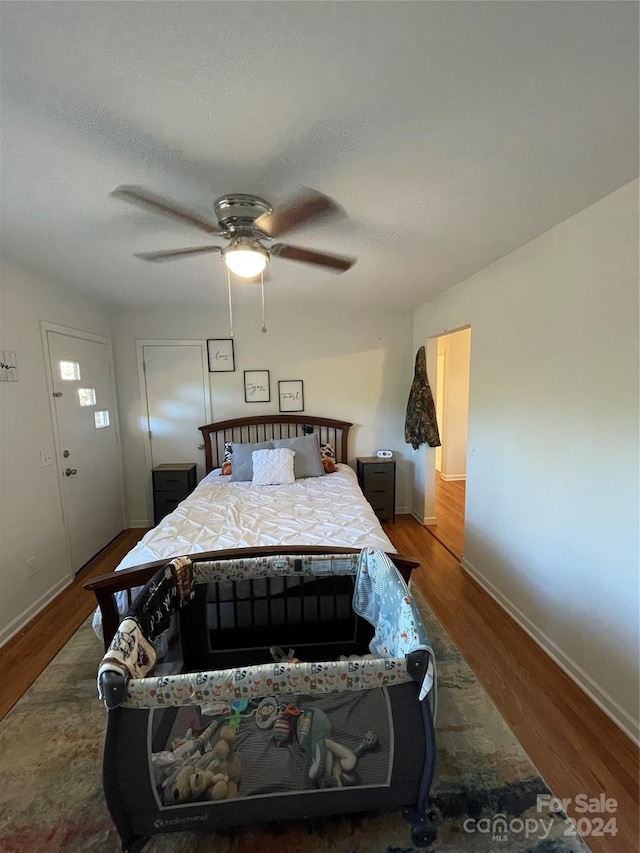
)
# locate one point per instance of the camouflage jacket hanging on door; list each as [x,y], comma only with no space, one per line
[421,425]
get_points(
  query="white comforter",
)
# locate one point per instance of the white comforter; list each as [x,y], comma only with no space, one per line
[329,510]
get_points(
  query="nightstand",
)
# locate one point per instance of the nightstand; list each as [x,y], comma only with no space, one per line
[377,479]
[172,482]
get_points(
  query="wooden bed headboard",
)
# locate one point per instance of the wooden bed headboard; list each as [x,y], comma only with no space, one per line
[264,427]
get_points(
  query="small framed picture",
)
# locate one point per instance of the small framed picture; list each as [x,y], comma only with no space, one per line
[220,352]
[291,395]
[256,386]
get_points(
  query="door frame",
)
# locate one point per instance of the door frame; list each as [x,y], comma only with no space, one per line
[45,327]
[429,502]
[144,406]
[441,402]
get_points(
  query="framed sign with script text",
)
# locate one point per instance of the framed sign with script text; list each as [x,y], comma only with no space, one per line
[256,386]
[220,354]
[291,395]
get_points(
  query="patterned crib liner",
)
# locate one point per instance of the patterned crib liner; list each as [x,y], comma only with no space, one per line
[381,597]
[254,682]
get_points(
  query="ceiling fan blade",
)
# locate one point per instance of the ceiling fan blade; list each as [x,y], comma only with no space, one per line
[176,254]
[338,263]
[140,196]
[308,205]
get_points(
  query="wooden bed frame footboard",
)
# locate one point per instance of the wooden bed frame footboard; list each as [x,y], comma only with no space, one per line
[104,587]
[265,427]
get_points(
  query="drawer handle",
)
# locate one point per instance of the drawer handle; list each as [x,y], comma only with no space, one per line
[379,491]
[172,481]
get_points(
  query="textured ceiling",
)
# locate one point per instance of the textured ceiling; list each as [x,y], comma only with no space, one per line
[451,133]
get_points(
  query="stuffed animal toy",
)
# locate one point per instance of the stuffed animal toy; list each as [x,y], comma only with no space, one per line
[225,767]
[215,774]
[332,763]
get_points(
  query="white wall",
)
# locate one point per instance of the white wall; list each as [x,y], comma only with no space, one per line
[31,517]
[457,348]
[357,368]
[552,494]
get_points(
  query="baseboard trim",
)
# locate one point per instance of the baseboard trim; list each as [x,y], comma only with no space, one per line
[427,519]
[140,523]
[452,477]
[17,624]
[576,673]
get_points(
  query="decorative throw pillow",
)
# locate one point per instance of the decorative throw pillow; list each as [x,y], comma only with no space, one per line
[228,452]
[242,461]
[326,451]
[307,462]
[273,467]
[226,469]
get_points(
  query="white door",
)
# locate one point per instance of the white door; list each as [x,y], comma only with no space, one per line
[176,387]
[87,443]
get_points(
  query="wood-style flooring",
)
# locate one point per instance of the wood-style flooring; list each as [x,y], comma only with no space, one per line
[449,527]
[575,746]
[26,655]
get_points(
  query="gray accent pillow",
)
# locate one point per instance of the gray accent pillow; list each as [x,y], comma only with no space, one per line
[307,462]
[242,462]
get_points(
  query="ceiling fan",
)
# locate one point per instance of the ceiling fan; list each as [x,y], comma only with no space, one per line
[250,224]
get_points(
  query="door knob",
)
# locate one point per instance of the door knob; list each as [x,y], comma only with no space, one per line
[69,472]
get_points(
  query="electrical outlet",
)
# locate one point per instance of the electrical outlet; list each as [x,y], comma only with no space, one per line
[46,458]
[32,566]
[475,448]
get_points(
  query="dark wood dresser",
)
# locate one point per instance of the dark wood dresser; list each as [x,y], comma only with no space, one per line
[377,479]
[172,482]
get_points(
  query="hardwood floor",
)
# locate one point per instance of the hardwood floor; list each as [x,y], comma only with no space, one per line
[574,745]
[25,656]
[449,529]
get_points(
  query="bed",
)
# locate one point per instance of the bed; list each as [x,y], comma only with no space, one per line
[236,731]
[318,511]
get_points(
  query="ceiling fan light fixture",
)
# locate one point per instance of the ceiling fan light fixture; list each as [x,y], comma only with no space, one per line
[245,259]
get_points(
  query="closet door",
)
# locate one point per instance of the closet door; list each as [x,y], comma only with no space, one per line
[175,390]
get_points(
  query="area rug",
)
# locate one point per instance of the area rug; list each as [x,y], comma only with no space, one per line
[485,790]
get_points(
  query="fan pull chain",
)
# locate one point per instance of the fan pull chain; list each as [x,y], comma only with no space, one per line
[230,307]
[264,326]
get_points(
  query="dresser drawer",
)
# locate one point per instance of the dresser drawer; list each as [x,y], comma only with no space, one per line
[379,494]
[164,503]
[377,473]
[172,481]
[385,511]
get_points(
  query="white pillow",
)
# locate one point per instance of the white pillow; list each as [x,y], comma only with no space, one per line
[273,467]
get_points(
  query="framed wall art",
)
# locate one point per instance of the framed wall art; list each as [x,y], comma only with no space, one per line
[291,395]
[8,366]
[220,352]
[256,386]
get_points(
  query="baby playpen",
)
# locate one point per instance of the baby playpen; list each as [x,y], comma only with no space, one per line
[295,686]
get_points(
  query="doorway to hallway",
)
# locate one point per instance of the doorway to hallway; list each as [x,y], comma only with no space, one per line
[452,405]
[449,528]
